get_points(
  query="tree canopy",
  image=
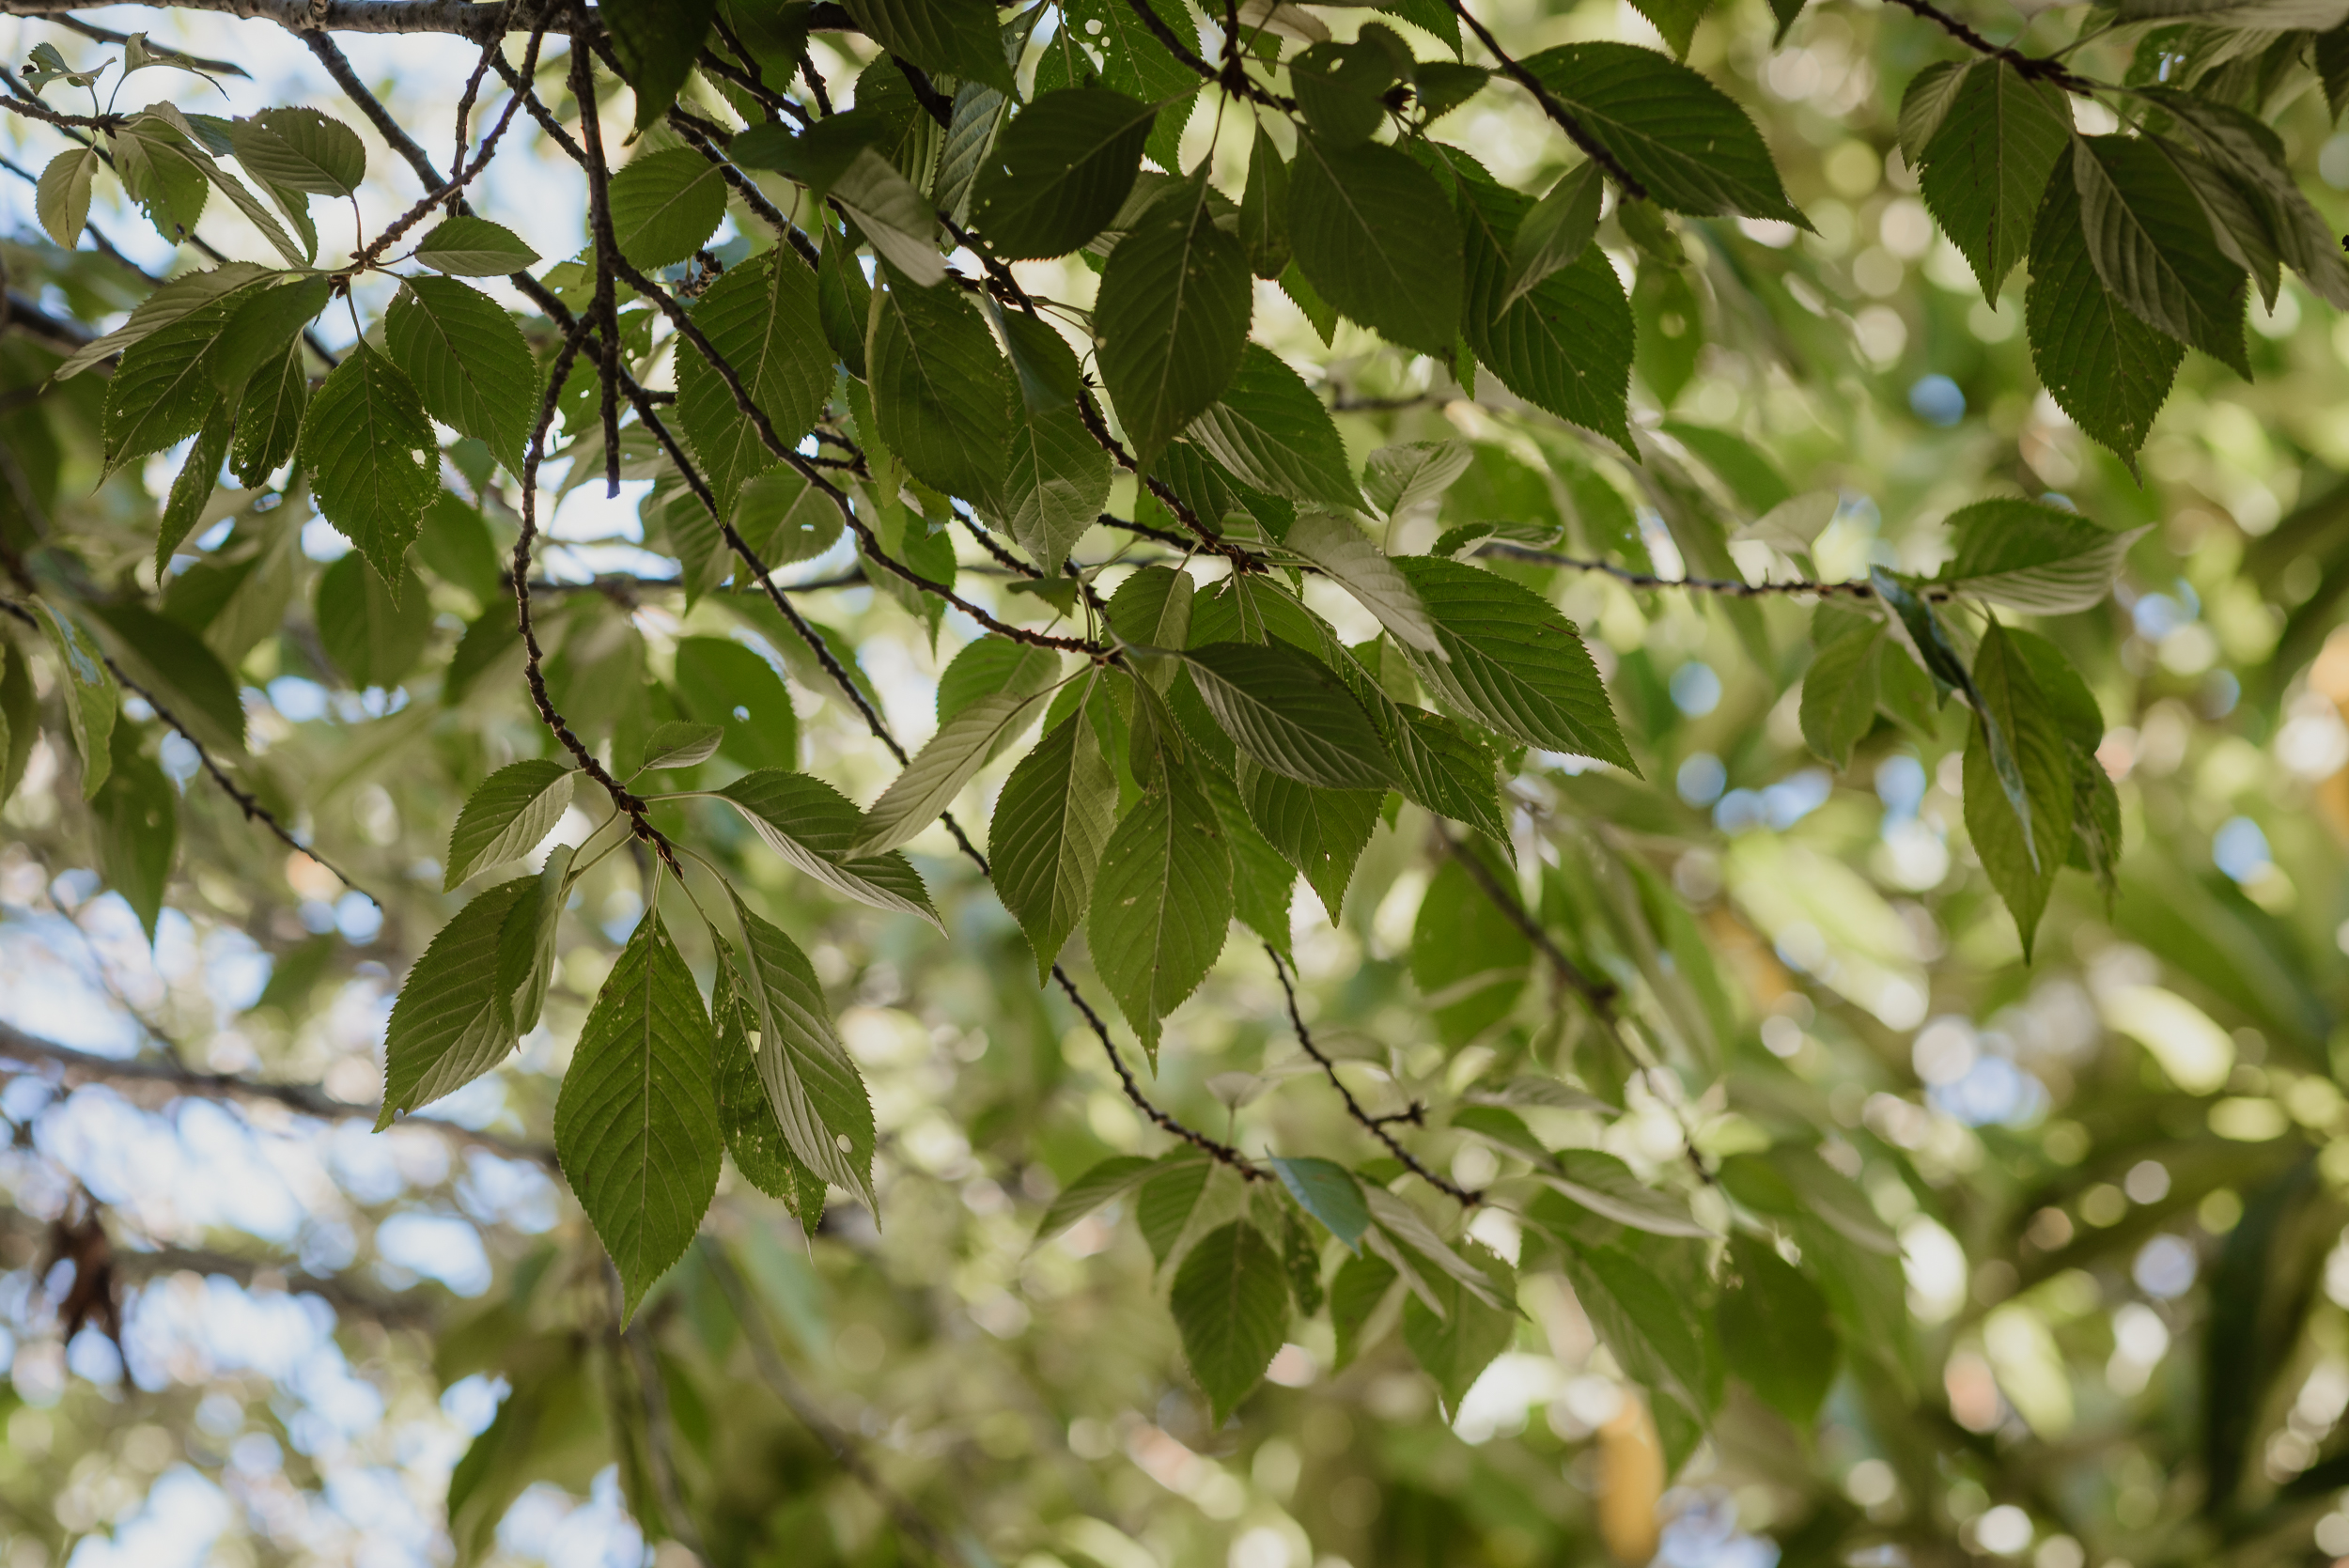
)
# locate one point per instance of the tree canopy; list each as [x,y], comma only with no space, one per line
[1117,782]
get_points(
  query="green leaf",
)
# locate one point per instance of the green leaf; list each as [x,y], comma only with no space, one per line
[301,149]
[936,775]
[1264,885]
[1372,231]
[784,517]
[665,206]
[1328,1192]
[1776,1332]
[2153,247]
[1688,144]
[2039,559]
[1231,1304]
[1060,172]
[2017,783]
[2251,155]
[1112,1178]
[1456,1346]
[1171,319]
[1273,433]
[1751,477]
[1051,825]
[657,41]
[1170,1196]
[762,317]
[971,128]
[1152,608]
[1568,344]
[469,247]
[1983,172]
[636,1120]
[162,125]
[452,1022]
[173,663]
[199,473]
[1914,618]
[723,683]
[527,942]
[1321,833]
[1469,960]
[1264,209]
[1445,769]
[1424,1258]
[992,666]
[90,693]
[1839,691]
[1410,475]
[1362,569]
[1516,665]
[942,394]
[817,1094]
[1291,713]
[1362,1285]
[61,200]
[1606,1186]
[172,303]
[2236,227]
[811,825]
[957,38]
[468,363]
[266,323]
[20,718]
[373,631]
[1162,902]
[746,1118]
[1341,88]
[137,816]
[2105,369]
[1650,1331]
[455,547]
[901,225]
[163,389]
[1300,1259]
[507,816]
[159,170]
[679,744]
[1058,477]
[1505,1130]
[374,463]
[1554,233]
[269,417]
[1925,104]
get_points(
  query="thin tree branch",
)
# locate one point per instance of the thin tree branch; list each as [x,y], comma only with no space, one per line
[245,799]
[81,1066]
[1731,587]
[1563,117]
[2037,68]
[692,331]
[632,805]
[33,108]
[1232,79]
[607,244]
[760,574]
[1375,1125]
[107,35]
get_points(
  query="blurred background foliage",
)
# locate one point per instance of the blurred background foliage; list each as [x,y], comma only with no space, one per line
[2096,1308]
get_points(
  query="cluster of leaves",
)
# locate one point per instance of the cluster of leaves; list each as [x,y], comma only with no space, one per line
[1200,739]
